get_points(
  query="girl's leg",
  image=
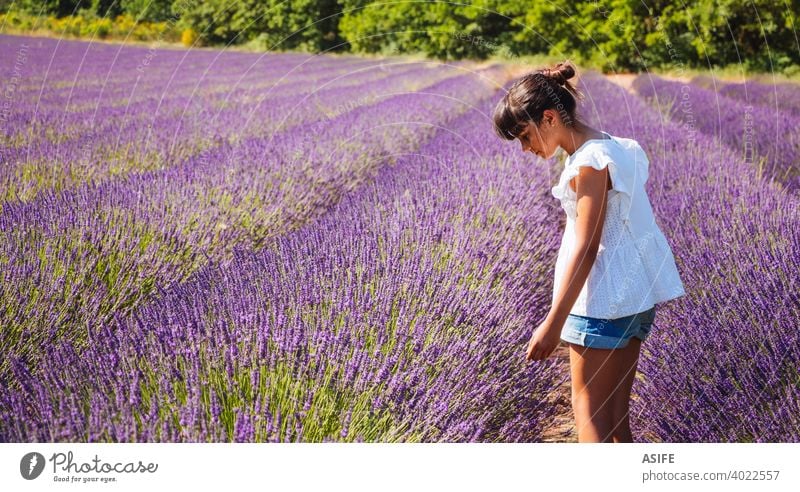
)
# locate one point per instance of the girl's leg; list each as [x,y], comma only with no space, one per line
[622,396]
[596,375]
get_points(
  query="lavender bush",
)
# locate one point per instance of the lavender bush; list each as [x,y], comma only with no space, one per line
[768,139]
[777,96]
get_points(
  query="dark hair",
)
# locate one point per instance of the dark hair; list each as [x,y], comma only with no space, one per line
[528,97]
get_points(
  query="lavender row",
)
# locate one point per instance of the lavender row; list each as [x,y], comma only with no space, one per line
[777,96]
[769,140]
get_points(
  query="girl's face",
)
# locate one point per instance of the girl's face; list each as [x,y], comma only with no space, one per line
[538,140]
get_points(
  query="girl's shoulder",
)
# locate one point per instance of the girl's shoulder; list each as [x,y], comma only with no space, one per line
[626,160]
[622,151]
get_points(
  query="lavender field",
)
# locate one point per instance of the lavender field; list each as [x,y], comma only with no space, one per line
[224,246]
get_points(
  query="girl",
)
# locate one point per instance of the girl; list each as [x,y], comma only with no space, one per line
[614,264]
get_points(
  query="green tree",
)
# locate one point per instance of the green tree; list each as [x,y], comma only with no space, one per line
[758,33]
[438,29]
[59,8]
[106,8]
[546,28]
[310,25]
[148,10]
[668,42]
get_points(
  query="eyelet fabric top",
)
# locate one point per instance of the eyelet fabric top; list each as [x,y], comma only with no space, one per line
[634,268]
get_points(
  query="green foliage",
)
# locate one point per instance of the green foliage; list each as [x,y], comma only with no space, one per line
[106,8]
[668,43]
[212,21]
[58,8]
[612,35]
[757,33]
[148,10]
[437,29]
[86,25]
[309,25]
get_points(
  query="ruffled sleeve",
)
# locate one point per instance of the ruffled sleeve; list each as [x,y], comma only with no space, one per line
[626,164]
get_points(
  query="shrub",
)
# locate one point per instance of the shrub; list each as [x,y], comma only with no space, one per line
[188,37]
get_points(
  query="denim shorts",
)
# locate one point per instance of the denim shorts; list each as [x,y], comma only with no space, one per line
[607,333]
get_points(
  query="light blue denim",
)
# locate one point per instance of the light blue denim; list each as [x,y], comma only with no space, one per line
[607,333]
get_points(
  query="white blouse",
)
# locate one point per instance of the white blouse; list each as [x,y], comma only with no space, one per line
[634,269]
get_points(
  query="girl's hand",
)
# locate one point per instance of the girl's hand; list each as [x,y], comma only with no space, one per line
[543,342]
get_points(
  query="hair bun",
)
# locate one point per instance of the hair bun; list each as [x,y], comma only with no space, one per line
[561,72]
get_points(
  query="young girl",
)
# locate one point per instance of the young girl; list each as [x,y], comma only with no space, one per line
[614,264]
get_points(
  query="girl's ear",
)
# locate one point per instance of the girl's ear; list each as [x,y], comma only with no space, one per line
[549,117]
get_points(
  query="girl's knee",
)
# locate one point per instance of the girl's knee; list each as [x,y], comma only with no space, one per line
[593,425]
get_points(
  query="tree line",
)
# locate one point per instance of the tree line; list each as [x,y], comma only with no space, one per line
[613,35]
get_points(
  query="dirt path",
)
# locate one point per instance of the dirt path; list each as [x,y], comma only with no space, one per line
[624,80]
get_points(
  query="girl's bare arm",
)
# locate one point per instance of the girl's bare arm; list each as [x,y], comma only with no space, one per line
[590,188]
[590,216]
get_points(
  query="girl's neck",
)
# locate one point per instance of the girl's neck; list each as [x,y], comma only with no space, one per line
[579,135]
